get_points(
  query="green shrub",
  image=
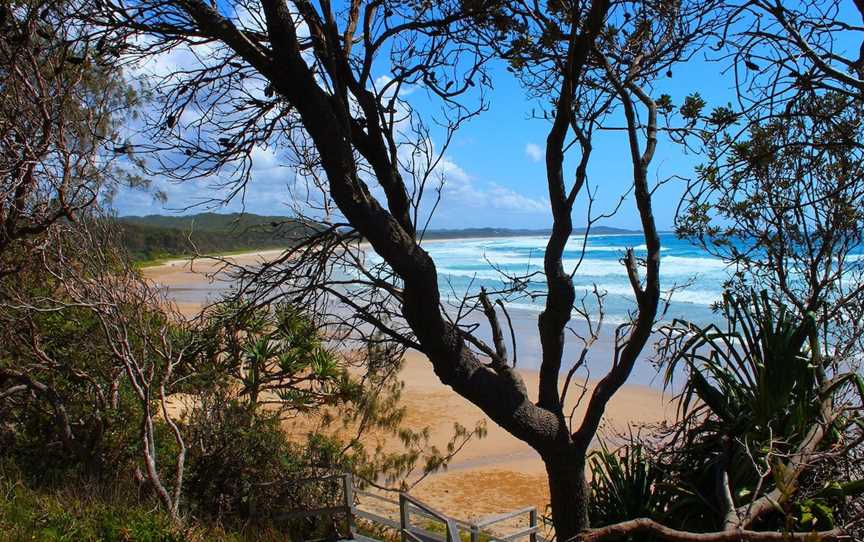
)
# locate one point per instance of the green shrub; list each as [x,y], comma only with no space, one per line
[88,511]
[80,514]
[242,467]
[236,458]
[99,403]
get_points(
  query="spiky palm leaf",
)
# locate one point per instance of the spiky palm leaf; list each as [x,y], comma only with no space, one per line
[757,377]
[750,388]
[626,483]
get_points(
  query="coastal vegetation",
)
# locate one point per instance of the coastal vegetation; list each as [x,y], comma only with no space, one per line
[149,239]
[106,389]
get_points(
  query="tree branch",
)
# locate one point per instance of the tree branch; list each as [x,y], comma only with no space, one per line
[648,526]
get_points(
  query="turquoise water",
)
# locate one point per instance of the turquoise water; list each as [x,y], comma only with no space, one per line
[464,265]
[467,264]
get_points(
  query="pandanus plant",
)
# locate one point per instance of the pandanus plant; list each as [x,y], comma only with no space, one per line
[758,378]
[626,483]
[275,355]
[751,395]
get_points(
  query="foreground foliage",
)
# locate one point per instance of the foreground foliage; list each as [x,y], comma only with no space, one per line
[763,437]
[89,512]
[101,381]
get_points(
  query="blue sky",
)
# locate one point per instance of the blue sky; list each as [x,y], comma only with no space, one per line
[496,167]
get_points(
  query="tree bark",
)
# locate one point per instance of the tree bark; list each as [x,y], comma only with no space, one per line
[568,492]
[327,118]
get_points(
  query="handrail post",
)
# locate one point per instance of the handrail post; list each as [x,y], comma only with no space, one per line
[475,533]
[532,522]
[452,530]
[348,492]
[404,519]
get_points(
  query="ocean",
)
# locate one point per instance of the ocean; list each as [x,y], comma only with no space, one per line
[466,265]
[696,276]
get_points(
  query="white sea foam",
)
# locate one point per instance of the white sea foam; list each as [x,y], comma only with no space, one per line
[693,265]
[613,319]
[485,274]
[670,266]
[464,261]
[685,295]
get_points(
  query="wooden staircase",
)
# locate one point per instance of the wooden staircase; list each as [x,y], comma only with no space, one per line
[417,521]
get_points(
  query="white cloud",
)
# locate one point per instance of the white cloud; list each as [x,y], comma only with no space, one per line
[467,199]
[265,158]
[534,152]
[383,80]
[461,190]
[501,197]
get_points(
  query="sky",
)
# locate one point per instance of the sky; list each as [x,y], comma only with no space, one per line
[495,169]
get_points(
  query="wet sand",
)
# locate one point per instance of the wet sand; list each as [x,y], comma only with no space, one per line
[491,475]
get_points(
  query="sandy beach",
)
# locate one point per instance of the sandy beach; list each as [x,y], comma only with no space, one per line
[490,475]
[500,473]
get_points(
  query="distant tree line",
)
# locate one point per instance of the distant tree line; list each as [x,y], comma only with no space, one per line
[154,237]
[159,236]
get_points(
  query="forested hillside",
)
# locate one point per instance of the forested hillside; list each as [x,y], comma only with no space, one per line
[156,236]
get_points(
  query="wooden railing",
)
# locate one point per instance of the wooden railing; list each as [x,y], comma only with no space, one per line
[413,533]
[531,531]
[434,527]
[345,506]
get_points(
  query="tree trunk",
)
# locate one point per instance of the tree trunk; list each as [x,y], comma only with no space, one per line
[568,491]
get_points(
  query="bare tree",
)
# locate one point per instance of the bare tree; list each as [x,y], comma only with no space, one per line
[780,49]
[60,104]
[86,273]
